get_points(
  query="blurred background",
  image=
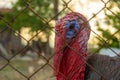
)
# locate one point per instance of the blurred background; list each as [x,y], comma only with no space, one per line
[27,33]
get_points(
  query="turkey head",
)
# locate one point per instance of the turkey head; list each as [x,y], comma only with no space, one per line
[70,50]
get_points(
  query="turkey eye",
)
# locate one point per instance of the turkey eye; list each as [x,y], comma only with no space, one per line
[71,26]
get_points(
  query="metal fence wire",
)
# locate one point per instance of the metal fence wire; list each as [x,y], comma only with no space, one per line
[33,59]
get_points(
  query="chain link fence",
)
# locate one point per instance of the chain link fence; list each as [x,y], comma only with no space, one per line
[37,65]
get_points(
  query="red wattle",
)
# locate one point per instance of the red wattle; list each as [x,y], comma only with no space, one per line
[69,57]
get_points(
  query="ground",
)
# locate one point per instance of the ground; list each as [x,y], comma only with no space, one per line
[27,68]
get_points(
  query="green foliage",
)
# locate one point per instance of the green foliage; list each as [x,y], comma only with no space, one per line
[113,20]
[26,18]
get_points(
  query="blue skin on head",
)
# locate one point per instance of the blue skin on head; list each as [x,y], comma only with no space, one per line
[72,27]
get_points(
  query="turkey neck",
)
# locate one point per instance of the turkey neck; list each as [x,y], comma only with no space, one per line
[72,65]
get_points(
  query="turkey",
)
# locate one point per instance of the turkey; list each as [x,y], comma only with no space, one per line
[71,59]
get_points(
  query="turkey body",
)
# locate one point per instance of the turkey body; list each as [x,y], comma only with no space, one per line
[108,67]
[71,60]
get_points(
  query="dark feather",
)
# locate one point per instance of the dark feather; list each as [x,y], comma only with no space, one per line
[108,67]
